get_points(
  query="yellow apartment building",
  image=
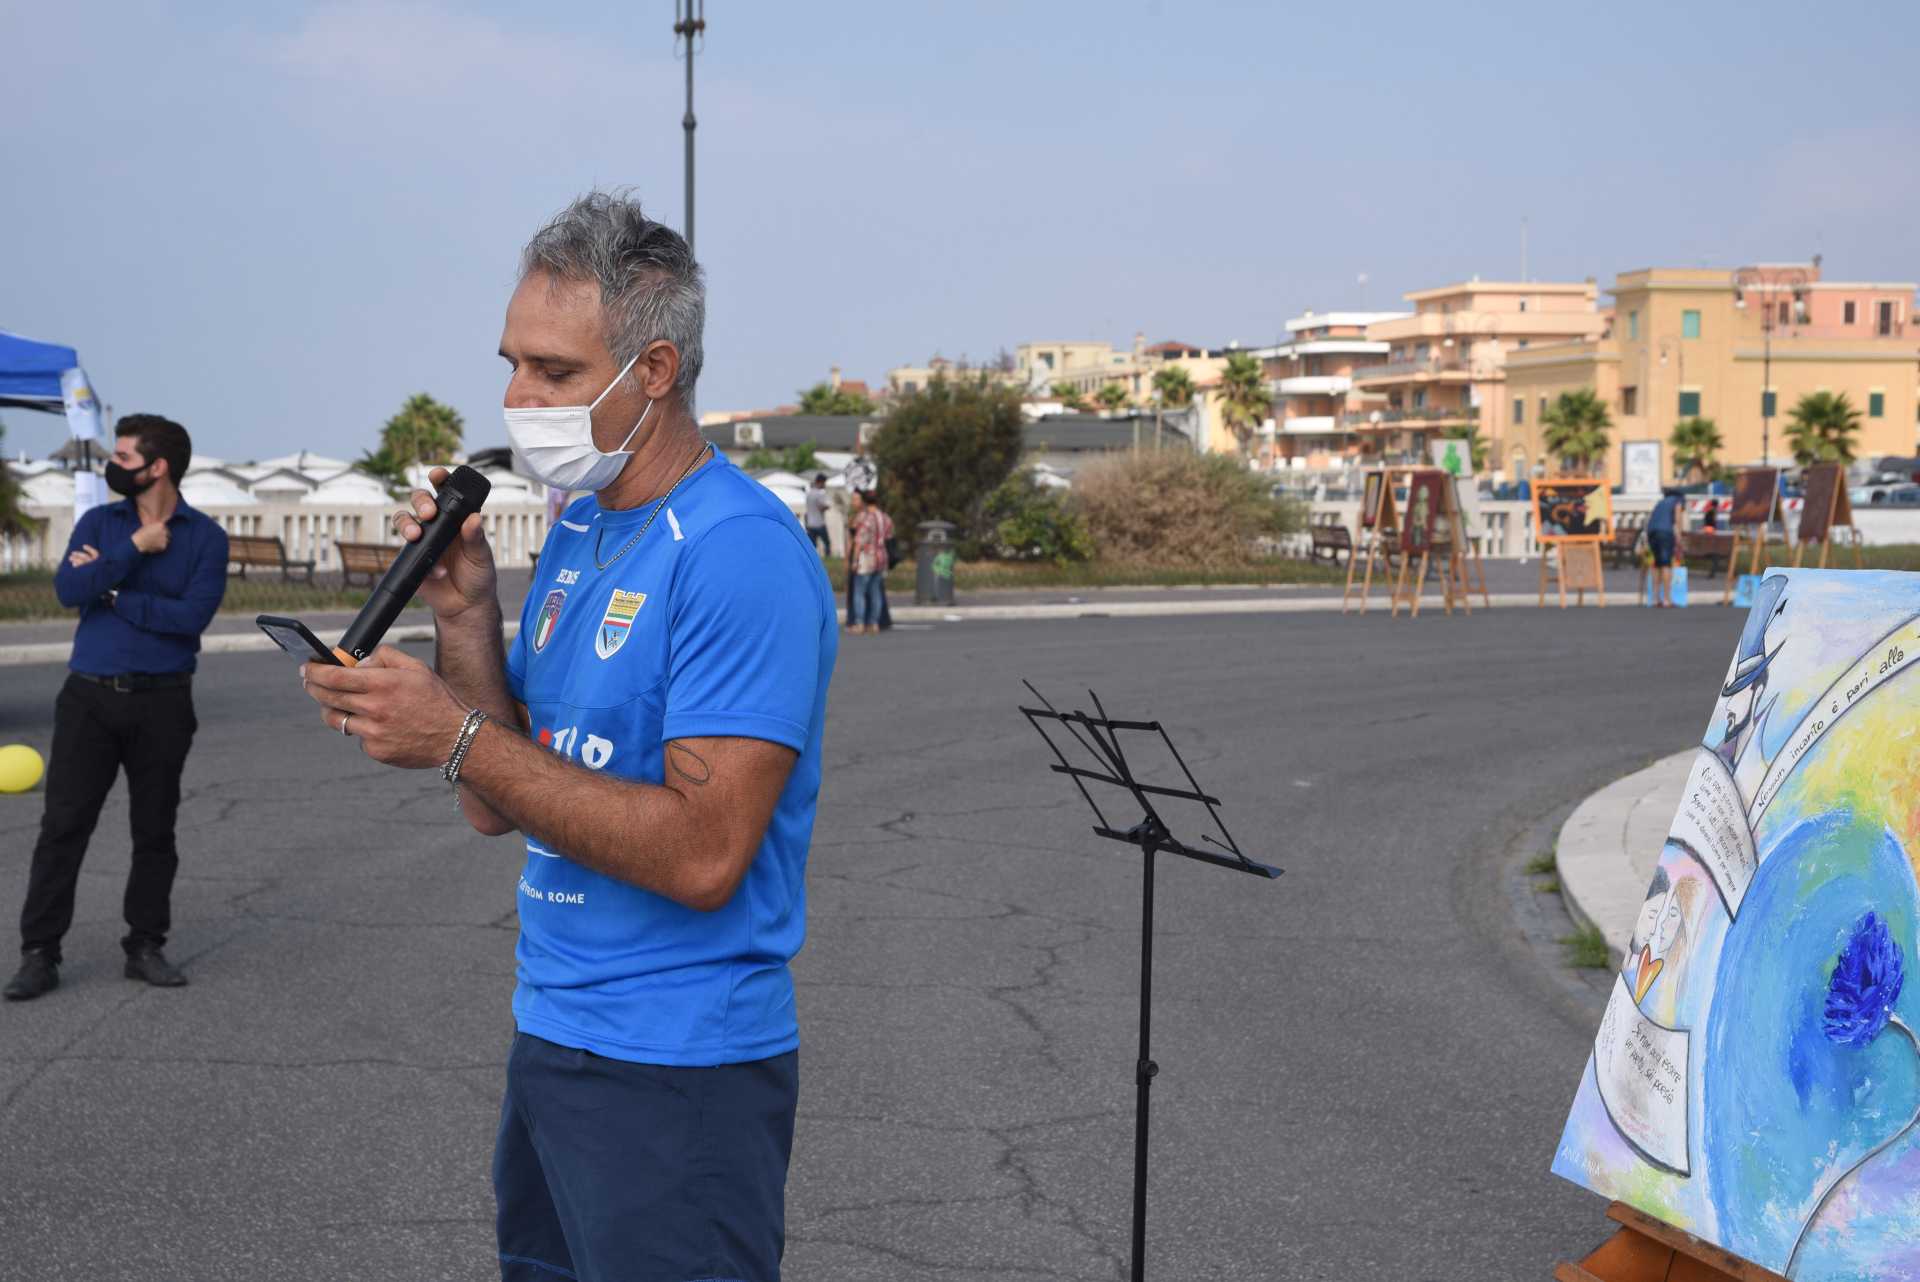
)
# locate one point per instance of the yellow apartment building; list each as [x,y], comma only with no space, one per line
[1737,348]
[1446,361]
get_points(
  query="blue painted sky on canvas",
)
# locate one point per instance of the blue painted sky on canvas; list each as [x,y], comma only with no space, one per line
[275,221]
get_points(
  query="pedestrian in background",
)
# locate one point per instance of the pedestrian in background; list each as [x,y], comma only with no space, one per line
[1664,528]
[147,575]
[817,505]
[867,562]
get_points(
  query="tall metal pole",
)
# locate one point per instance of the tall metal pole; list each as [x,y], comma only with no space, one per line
[690,25]
[1769,281]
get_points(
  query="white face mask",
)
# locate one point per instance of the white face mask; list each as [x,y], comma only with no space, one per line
[556,442]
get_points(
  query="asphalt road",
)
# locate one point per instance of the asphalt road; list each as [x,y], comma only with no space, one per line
[1365,1065]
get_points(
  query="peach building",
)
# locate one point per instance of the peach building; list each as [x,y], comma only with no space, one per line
[1312,374]
[1446,361]
[1738,348]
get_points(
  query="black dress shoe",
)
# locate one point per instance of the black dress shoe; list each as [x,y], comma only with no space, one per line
[151,966]
[38,975]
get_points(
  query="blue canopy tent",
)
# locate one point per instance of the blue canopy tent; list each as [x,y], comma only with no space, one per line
[47,376]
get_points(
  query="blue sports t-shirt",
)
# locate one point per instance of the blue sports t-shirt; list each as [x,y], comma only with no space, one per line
[718,622]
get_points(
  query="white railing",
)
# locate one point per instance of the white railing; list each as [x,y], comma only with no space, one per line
[309,531]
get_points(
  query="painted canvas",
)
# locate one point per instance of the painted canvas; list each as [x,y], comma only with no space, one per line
[1572,508]
[1755,1079]
[1756,496]
[1426,521]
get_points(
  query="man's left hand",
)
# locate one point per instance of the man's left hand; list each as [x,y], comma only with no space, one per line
[399,709]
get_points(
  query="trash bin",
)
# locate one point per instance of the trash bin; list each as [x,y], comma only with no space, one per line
[934,556]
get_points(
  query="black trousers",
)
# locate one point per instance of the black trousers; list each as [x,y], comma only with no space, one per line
[96,733]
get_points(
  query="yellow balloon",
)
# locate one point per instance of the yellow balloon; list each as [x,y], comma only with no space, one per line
[20,768]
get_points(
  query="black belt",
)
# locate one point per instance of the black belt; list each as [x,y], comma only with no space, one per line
[129,682]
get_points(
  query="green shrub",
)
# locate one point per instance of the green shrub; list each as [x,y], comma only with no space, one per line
[795,458]
[1175,508]
[1024,520]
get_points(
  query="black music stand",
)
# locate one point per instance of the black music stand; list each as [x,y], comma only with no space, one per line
[1100,737]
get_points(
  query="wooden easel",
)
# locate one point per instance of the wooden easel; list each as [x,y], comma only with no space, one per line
[1465,546]
[1579,562]
[1645,1250]
[1825,484]
[1748,531]
[1378,521]
[1450,564]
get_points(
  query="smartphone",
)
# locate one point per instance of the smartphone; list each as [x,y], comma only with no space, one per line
[297,639]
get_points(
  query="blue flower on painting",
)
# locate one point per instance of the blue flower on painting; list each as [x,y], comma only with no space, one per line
[1865,985]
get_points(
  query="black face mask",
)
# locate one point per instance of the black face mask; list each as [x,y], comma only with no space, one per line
[120,480]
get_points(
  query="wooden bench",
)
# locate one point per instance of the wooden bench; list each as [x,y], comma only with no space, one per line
[1330,542]
[1621,548]
[370,559]
[1708,548]
[268,553]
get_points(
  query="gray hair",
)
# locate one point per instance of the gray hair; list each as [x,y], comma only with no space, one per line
[650,286]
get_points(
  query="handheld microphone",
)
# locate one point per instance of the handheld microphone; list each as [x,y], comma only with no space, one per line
[457,499]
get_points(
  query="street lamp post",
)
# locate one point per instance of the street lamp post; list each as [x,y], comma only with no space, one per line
[689,26]
[1769,280]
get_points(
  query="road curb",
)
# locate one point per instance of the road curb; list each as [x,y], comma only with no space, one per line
[240,642]
[1609,845]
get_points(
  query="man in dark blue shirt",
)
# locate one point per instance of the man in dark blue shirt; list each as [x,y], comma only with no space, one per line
[1665,524]
[147,575]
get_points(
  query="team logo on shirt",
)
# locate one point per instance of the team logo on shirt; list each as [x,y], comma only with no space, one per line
[549,616]
[617,622]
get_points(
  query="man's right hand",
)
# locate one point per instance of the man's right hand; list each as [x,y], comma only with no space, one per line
[464,576]
[151,538]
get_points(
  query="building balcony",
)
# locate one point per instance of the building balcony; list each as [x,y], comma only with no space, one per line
[1434,367]
[1313,385]
[1315,425]
[1428,416]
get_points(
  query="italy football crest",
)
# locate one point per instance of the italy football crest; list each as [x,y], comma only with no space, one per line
[617,622]
[548,618]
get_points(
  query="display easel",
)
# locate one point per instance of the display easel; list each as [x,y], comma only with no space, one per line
[1757,507]
[1466,546]
[1439,486]
[1580,570]
[1099,736]
[1582,513]
[1378,521]
[1644,1249]
[1828,505]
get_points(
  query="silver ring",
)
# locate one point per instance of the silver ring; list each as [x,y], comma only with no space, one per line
[343,724]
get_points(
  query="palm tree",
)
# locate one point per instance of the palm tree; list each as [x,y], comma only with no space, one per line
[1174,385]
[1111,397]
[1696,446]
[424,431]
[1069,395]
[1245,399]
[13,515]
[1821,428]
[1579,429]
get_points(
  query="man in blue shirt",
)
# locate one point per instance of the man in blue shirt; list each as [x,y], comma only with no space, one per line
[655,736]
[147,575]
[1666,524]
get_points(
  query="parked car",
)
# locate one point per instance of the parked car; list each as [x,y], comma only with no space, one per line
[1907,495]
[1878,487]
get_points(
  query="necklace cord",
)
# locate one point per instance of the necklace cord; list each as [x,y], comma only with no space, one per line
[600,534]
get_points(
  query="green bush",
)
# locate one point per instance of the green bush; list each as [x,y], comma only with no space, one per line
[795,458]
[941,451]
[1024,520]
[1174,508]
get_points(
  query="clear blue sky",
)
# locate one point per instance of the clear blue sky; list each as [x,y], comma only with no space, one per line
[275,221]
